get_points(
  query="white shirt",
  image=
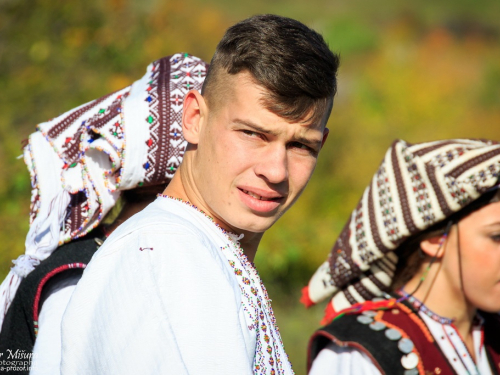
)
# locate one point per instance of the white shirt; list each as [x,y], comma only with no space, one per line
[350,361]
[46,358]
[166,294]
[47,349]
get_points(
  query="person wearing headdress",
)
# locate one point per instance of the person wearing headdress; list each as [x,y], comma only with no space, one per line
[174,290]
[110,156]
[414,276]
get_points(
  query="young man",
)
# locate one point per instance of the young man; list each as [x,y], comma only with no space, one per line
[174,290]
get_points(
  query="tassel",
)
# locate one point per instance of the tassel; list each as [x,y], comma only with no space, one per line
[24,264]
[305,299]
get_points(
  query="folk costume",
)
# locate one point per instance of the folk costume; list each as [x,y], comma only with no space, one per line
[168,291]
[403,339]
[370,331]
[79,163]
[171,292]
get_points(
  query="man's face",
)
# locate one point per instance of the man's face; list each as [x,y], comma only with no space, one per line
[250,164]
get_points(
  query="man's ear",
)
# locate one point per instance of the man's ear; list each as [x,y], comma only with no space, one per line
[194,115]
[431,245]
[325,136]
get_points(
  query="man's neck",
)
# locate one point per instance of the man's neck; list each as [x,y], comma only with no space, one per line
[250,241]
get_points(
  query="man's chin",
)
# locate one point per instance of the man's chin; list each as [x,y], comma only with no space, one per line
[254,224]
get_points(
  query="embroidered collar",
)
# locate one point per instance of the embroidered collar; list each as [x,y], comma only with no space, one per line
[232,236]
[419,306]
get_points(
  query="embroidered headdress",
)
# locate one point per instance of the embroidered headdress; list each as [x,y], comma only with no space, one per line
[415,187]
[80,161]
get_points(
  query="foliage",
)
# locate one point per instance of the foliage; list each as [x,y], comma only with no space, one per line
[418,72]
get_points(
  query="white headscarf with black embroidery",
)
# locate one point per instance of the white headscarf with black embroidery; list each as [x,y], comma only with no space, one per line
[415,187]
[80,161]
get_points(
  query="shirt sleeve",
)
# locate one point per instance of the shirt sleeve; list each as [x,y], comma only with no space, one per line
[155,302]
[47,350]
[342,360]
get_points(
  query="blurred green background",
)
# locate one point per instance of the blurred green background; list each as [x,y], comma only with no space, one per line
[413,70]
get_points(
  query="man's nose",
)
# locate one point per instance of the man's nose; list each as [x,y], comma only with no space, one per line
[273,165]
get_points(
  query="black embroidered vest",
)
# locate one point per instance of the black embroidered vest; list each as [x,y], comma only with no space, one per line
[20,326]
[369,335]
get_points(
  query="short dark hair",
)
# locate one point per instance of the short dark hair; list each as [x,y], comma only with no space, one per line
[290,60]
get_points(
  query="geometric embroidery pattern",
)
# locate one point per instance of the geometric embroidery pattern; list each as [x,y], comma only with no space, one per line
[100,125]
[415,187]
[171,79]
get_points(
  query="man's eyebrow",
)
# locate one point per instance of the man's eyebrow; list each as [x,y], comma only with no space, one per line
[494,224]
[312,142]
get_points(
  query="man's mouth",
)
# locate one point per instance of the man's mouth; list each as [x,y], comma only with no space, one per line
[259,197]
[261,200]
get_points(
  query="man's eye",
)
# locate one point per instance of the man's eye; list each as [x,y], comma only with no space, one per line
[298,145]
[301,146]
[250,133]
[495,237]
